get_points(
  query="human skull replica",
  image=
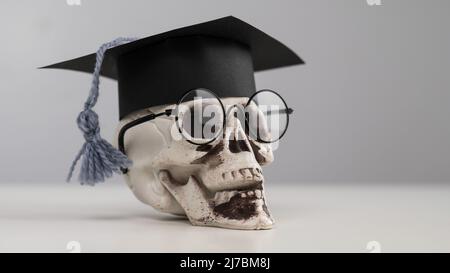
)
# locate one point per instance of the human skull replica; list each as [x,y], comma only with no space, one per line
[217,184]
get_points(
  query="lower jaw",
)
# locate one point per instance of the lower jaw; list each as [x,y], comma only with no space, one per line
[245,209]
[258,222]
[234,209]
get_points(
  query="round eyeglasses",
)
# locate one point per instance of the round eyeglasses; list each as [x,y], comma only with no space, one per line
[201,118]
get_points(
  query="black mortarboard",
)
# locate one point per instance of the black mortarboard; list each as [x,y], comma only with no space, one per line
[220,55]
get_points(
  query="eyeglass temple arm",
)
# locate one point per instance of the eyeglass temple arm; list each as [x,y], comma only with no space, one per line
[288,111]
[134,123]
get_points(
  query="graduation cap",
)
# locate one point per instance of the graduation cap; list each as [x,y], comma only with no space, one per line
[220,55]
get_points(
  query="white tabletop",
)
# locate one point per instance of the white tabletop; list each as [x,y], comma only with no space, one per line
[309,218]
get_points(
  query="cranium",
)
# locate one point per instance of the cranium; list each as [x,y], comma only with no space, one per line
[218,184]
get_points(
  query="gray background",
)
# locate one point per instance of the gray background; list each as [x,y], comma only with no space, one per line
[371,104]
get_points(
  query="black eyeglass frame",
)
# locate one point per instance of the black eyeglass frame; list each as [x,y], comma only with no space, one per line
[177,120]
[289,111]
[169,112]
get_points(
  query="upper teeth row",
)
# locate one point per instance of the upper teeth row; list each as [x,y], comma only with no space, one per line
[256,193]
[246,174]
[225,196]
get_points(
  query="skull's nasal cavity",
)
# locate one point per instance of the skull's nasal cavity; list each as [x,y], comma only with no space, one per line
[237,146]
[237,140]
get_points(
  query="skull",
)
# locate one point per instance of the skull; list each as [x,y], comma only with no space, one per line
[217,184]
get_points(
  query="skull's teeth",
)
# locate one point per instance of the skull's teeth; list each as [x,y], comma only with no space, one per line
[258,193]
[251,194]
[259,205]
[236,175]
[243,174]
[246,174]
[257,174]
[225,196]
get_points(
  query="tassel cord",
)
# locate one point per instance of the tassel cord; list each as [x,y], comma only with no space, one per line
[99,158]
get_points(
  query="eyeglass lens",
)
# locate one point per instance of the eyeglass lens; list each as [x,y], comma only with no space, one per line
[200,116]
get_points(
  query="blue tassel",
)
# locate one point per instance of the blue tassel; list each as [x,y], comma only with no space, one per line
[99,159]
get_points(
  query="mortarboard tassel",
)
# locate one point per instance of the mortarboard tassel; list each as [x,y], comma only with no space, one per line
[99,158]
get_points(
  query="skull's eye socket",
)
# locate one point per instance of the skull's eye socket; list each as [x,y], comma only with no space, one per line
[267,116]
[200,116]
